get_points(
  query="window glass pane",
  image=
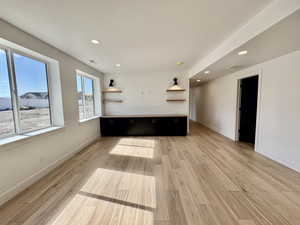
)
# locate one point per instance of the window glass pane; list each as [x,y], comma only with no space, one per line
[80,97]
[32,86]
[89,97]
[6,114]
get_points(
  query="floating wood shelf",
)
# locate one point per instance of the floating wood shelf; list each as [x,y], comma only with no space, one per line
[113,100]
[175,100]
[112,91]
[175,90]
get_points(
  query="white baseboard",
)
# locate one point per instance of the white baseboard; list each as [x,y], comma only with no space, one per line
[288,164]
[12,192]
[214,129]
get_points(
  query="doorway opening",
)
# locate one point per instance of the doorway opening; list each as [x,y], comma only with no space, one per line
[247,115]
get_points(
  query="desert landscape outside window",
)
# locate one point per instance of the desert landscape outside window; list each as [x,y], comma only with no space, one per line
[27,108]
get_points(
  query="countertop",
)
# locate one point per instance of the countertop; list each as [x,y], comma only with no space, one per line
[143,116]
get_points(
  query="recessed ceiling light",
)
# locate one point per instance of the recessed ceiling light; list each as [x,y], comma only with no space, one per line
[237,67]
[118,65]
[207,72]
[244,52]
[198,80]
[96,42]
[179,63]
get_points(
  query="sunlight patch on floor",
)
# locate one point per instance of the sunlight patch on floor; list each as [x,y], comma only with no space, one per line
[88,210]
[133,151]
[112,197]
[139,142]
[130,187]
[135,147]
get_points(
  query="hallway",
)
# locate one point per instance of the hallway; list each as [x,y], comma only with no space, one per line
[203,178]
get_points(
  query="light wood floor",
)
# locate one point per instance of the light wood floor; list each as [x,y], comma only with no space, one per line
[200,179]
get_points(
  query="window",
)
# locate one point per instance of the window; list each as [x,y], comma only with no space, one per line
[80,97]
[33,94]
[24,94]
[86,96]
[89,108]
[7,125]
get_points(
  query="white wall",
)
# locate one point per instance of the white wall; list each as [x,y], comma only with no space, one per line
[278,124]
[269,16]
[146,94]
[23,162]
[215,105]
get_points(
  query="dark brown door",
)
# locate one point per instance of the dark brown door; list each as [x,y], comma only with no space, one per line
[248,109]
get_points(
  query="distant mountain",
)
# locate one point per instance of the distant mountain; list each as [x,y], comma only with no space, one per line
[35,95]
[5,104]
[29,100]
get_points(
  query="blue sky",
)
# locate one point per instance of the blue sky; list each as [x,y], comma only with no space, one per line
[30,75]
[88,85]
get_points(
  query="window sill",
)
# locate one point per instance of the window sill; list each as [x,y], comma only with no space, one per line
[16,138]
[91,118]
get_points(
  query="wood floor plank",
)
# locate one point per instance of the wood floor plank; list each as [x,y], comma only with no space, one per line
[201,179]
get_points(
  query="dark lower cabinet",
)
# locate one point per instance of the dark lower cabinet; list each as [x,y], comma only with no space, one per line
[143,126]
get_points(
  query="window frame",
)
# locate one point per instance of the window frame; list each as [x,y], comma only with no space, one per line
[94,79]
[14,92]
[11,89]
